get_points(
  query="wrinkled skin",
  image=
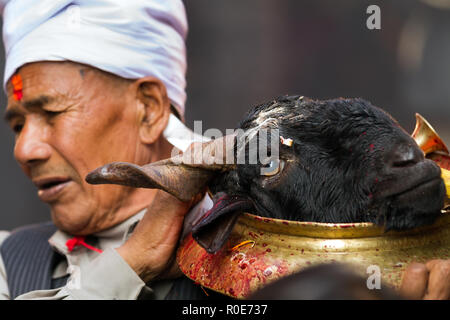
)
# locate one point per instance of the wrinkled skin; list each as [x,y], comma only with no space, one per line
[90,118]
[57,139]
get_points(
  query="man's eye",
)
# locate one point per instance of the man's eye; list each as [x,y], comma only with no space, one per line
[51,113]
[17,128]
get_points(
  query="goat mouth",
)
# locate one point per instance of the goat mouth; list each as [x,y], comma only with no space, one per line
[412,180]
[419,188]
[416,206]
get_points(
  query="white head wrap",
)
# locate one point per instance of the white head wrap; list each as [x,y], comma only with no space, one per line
[129,38]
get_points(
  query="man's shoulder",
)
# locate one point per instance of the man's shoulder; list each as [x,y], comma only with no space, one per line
[41,226]
[3,235]
[27,258]
[44,229]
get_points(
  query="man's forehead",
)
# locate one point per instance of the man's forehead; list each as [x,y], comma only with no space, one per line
[48,78]
[50,72]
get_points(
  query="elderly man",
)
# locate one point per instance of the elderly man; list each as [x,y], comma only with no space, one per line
[88,84]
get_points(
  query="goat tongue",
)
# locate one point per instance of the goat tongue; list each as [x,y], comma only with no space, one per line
[214,228]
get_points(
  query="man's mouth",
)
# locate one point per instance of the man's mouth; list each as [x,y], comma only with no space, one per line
[50,188]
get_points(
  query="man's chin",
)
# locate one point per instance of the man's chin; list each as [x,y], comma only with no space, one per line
[65,220]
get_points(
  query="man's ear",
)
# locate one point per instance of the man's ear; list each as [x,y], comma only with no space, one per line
[154,108]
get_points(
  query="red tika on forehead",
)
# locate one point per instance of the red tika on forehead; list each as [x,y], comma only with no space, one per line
[16,81]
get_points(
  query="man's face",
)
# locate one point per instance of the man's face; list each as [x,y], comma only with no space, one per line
[71,120]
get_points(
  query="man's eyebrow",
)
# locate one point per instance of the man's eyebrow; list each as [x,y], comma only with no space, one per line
[38,102]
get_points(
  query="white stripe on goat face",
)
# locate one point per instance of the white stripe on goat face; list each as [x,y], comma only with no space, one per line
[277,114]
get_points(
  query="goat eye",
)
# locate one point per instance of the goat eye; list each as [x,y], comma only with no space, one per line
[275,166]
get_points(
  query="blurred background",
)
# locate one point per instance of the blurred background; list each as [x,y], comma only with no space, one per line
[243,53]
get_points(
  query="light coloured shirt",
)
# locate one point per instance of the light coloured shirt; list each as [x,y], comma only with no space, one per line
[93,275]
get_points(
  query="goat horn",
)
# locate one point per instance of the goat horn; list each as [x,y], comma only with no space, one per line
[180,181]
[184,175]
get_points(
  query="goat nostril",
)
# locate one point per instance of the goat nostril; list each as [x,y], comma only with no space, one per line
[404,163]
[406,155]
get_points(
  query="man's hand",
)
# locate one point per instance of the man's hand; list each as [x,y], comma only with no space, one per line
[150,250]
[430,281]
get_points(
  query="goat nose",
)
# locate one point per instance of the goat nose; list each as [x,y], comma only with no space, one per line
[405,155]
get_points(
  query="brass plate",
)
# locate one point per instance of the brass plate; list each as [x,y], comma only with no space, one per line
[273,248]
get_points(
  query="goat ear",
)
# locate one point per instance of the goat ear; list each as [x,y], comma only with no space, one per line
[183,182]
[214,227]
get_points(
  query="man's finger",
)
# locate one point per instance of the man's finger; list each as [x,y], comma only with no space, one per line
[439,280]
[430,264]
[414,283]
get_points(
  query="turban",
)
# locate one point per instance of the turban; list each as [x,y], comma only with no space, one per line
[131,39]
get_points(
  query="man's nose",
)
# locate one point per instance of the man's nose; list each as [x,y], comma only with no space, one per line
[31,144]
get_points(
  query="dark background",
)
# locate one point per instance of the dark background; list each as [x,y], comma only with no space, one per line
[242,53]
